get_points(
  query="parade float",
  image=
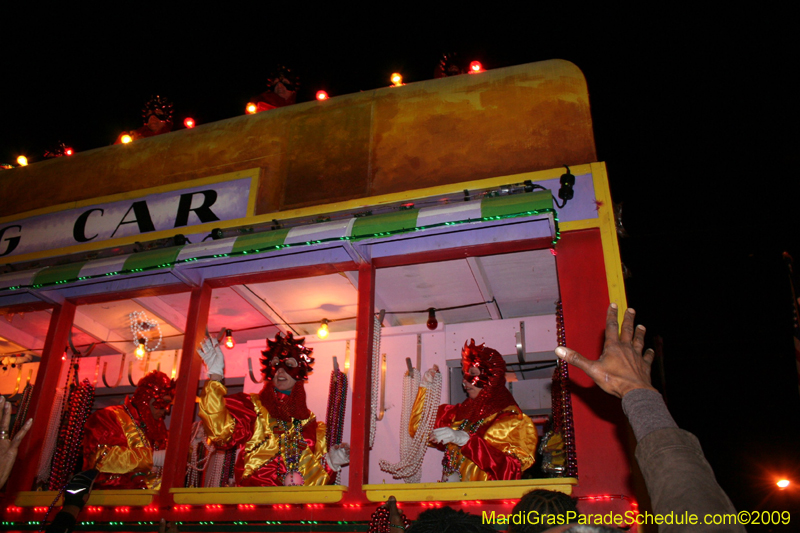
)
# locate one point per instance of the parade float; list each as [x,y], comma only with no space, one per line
[387,228]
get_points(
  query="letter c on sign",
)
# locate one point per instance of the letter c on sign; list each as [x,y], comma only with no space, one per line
[79,230]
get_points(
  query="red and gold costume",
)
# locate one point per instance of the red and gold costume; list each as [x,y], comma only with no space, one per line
[120,440]
[277,436]
[502,439]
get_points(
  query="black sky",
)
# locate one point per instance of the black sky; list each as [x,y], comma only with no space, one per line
[695,112]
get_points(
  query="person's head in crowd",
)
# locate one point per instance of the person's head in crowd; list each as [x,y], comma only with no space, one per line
[543,502]
[448,520]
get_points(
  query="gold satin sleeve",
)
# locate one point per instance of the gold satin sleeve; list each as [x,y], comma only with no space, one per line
[311,460]
[218,423]
[514,435]
[416,411]
[136,457]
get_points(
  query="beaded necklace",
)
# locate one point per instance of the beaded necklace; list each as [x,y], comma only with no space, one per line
[453,458]
[290,449]
[412,450]
[337,402]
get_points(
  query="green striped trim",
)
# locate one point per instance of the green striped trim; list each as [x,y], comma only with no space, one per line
[257,242]
[161,258]
[500,206]
[386,224]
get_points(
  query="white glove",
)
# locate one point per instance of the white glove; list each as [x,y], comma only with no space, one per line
[338,455]
[158,458]
[211,354]
[448,435]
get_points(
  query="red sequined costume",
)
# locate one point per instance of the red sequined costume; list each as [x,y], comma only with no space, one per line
[276,434]
[120,440]
[502,440]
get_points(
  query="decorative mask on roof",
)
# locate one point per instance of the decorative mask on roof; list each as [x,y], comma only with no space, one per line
[158,106]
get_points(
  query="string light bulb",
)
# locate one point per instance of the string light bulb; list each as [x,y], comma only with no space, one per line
[432,322]
[22,161]
[229,342]
[397,79]
[251,108]
[69,151]
[322,332]
[783,483]
[322,95]
[188,122]
[126,139]
[140,350]
[475,67]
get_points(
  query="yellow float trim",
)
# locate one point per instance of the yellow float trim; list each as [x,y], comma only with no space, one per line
[259,495]
[469,490]
[608,237]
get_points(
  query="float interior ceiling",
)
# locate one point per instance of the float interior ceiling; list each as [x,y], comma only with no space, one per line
[522,284]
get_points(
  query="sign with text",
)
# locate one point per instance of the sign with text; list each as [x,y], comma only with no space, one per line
[202,204]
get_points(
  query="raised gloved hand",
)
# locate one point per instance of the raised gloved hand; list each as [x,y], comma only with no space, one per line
[448,435]
[158,458]
[338,456]
[427,377]
[211,354]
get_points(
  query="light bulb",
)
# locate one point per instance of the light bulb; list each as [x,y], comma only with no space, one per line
[251,108]
[140,350]
[475,67]
[432,322]
[397,79]
[188,122]
[322,332]
[322,95]
[126,139]
[229,342]
[783,483]
[22,161]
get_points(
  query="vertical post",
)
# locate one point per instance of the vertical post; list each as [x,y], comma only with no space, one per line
[180,425]
[41,406]
[359,430]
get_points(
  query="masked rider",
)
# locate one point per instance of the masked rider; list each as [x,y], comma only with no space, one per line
[279,440]
[127,442]
[485,437]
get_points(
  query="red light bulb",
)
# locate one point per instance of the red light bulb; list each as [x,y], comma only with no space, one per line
[188,122]
[229,342]
[322,95]
[475,67]
[432,322]
[69,151]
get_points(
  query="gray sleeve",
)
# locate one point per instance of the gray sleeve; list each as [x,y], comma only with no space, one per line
[681,482]
[647,412]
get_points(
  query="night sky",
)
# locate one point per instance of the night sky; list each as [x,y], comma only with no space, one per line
[695,113]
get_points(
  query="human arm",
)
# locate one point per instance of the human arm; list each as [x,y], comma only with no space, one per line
[676,473]
[113,444]
[9,446]
[227,421]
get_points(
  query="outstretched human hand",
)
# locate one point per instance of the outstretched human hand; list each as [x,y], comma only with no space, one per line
[211,354]
[621,367]
[9,447]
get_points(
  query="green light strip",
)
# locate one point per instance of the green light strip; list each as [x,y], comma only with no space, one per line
[536,212]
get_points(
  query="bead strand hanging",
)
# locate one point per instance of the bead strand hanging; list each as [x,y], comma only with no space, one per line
[562,399]
[412,450]
[143,331]
[376,377]
[337,402]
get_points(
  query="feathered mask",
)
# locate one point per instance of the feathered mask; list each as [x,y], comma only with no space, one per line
[487,360]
